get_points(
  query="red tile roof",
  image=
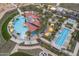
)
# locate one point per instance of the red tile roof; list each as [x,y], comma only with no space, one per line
[32,27]
[36,22]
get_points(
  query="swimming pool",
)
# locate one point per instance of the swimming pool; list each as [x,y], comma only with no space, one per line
[62,36]
[19,26]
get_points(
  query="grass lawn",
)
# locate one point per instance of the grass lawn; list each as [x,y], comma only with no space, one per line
[5,33]
[20,54]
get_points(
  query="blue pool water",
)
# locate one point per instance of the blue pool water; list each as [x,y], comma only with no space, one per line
[19,27]
[33,33]
[62,36]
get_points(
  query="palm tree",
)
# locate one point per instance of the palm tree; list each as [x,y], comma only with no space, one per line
[28,34]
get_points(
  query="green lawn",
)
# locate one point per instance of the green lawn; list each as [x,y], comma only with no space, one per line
[20,54]
[5,33]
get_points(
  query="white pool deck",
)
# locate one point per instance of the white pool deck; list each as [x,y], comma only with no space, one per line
[16,40]
[74,23]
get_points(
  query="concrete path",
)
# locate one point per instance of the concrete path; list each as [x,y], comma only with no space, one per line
[15,49]
[76,49]
[17,8]
[32,47]
[68,52]
[47,51]
[28,47]
[44,40]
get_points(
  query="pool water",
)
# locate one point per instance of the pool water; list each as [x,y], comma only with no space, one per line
[19,26]
[62,37]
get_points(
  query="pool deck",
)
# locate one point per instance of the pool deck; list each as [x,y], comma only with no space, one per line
[61,38]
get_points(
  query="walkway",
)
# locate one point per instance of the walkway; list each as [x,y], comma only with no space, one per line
[58,4]
[32,47]
[44,40]
[76,49]
[15,49]
[47,51]
[17,8]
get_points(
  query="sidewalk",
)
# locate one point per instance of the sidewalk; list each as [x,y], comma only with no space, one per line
[32,47]
[76,49]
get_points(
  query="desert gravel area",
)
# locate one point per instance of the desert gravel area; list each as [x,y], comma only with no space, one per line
[71,6]
[6,6]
